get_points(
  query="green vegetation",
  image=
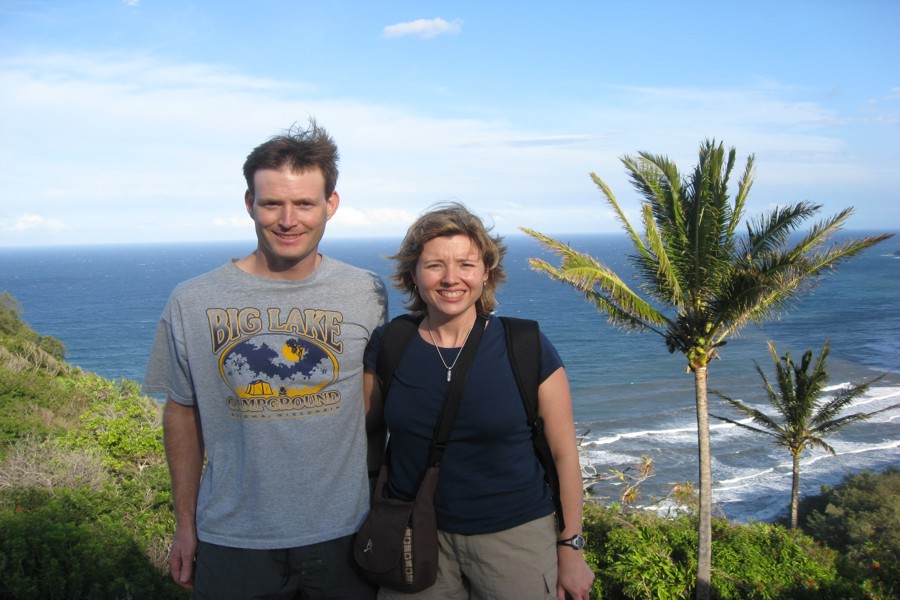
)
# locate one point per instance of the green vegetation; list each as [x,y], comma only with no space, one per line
[85,506]
[847,548]
[861,520]
[85,509]
[639,555]
[700,281]
[807,418]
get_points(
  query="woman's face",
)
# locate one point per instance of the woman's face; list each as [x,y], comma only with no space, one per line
[450,275]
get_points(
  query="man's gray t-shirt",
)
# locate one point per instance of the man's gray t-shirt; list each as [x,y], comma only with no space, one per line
[275,368]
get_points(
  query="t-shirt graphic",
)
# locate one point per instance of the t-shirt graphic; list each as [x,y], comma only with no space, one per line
[278,365]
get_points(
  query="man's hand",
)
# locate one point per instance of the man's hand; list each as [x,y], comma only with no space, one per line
[181,558]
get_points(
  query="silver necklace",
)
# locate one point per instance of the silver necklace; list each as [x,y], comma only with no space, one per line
[441,356]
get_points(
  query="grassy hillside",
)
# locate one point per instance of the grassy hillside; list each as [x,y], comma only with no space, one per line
[85,507]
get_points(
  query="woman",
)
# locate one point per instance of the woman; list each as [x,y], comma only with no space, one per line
[497,531]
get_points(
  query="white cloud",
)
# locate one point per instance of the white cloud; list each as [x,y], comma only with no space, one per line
[131,74]
[32,222]
[239,222]
[128,149]
[424,28]
[371,220]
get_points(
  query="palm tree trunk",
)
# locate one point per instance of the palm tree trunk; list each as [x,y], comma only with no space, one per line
[704,547]
[795,492]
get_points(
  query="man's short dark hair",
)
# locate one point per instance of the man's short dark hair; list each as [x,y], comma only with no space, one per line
[300,150]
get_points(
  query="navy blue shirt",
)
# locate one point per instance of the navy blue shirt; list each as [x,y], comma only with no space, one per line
[490,477]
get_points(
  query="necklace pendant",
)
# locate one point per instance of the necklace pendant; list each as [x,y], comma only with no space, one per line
[438,349]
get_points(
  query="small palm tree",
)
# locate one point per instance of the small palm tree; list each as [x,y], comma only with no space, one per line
[806,417]
[702,281]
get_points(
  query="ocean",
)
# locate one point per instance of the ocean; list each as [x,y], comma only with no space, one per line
[630,396]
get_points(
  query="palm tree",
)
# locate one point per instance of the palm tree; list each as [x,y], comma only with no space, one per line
[806,420]
[692,263]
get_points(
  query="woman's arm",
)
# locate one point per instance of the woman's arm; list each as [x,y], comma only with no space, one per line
[555,408]
[376,429]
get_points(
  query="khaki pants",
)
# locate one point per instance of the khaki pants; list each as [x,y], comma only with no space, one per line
[515,564]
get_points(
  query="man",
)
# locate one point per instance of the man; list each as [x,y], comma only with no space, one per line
[262,362]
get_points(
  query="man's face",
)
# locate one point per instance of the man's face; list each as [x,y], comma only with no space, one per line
[290,211]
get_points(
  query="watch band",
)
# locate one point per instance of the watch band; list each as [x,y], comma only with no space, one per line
[576,541]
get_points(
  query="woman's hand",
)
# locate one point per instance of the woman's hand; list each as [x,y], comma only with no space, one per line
[573,577]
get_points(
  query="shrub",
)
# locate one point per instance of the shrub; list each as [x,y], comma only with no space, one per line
[124,425]
[35,463]
[73,545]
[639,555]
[85,498]
[646,563]
[13,329]
[10,315]
[761,560]
[860,518]
[642,555]
[33,403]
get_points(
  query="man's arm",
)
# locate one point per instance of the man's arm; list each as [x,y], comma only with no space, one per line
[183,442]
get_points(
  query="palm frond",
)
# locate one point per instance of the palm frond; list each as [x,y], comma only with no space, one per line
[615,313]
[817,442]
[832,408]
[771,395]
[636,240]
[768,425]
[769,232]
[740,199]
[765,287]
[658,181]
[807,386]
[602,286]
[662,276]
[837,254]
[833,425]
[820,233]
[744,425]
[710,212]
[826,418]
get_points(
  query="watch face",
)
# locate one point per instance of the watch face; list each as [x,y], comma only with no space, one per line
[576,542]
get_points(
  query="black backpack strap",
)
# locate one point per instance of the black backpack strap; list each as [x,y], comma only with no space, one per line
[523,343]
[394,339]
[450,407]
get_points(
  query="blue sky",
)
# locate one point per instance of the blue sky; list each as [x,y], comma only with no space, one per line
[128,121]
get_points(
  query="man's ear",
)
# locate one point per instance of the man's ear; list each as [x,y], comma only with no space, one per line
[332,204]
[248,202]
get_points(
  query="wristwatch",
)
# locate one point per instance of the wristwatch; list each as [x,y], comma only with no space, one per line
[576,541]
